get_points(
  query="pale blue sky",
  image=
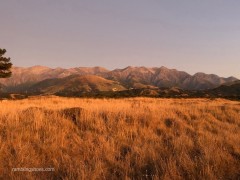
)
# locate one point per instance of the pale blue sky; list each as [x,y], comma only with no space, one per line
[189,35]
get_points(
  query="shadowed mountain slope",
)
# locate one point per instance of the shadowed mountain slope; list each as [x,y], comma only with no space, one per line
[227,90]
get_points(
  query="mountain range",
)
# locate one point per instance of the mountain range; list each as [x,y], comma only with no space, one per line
[85,80]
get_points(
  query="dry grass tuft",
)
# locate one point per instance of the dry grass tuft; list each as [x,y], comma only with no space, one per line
[136,138]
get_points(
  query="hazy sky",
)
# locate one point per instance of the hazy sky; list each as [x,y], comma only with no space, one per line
[189,35]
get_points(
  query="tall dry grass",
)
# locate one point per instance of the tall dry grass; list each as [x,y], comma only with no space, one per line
[137,138]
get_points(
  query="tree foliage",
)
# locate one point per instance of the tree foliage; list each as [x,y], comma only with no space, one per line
[5,65]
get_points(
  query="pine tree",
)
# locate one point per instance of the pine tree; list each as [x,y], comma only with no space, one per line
[5,65]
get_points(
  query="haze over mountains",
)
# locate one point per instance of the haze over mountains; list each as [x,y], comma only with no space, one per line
[40,79]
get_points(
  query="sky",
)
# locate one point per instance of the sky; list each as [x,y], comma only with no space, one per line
[189,35]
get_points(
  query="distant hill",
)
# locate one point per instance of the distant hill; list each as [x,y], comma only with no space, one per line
[201,81]
[41,79]
[74,85]
[227,90]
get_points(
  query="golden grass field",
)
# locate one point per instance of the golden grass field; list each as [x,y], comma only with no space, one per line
[135,138]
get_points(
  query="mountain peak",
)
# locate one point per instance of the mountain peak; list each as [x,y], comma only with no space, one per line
[163,67]
[128,67]
[39,67]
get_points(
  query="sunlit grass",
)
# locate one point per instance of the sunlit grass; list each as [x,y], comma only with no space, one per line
[133,138]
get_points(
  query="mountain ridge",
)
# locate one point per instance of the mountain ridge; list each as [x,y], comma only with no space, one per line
[131,77]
